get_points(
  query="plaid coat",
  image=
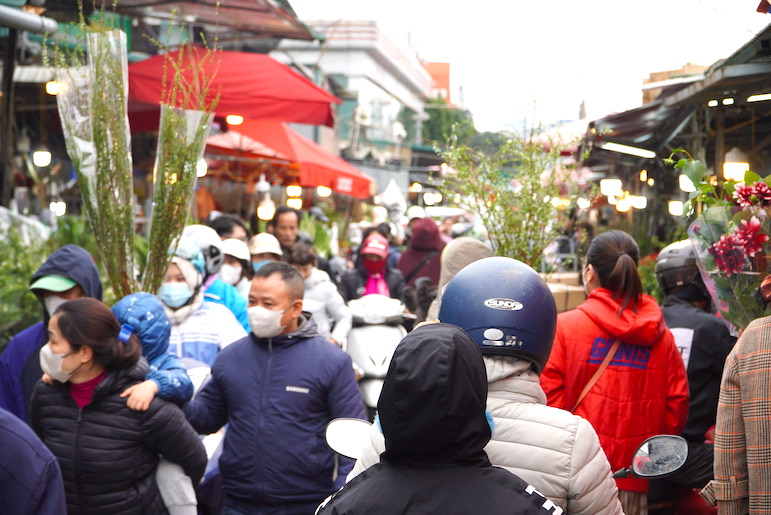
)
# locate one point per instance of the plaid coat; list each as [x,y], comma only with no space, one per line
[742,481]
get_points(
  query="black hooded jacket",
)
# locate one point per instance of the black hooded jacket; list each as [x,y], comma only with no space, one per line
[704,342]
[432,412]
[108,453]
[19,363]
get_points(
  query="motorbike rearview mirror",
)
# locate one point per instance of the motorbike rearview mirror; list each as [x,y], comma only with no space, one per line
[658,456]
[348,436]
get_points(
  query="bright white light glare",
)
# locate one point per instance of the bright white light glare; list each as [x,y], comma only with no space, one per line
[295,203]
[611,187]
[685,183]
[41,158]
[728,101]
[583,203]
[651,182]
[416,187]
[201,167]
[643,175]
[555,201]
[612,200]
[323,191]
[431,198]
[53,87]
[58,208]
[293,190]
[266,209]
[624,204]
[675,208]
[712,103]
[735,171]
[626,149]
[638,201]
[759,98]
[234,119]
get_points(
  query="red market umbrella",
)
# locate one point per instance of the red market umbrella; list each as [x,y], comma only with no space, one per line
[251,85]
[317,165]
[234,144]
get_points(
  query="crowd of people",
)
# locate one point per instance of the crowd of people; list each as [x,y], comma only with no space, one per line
[529,410]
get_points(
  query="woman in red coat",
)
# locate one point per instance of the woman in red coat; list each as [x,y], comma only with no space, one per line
[644,389]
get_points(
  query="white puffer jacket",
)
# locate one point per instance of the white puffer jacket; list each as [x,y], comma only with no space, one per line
[327,305]
[552,449]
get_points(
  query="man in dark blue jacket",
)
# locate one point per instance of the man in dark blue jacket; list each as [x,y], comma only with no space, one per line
[69,273]
[277,389]
[30,478]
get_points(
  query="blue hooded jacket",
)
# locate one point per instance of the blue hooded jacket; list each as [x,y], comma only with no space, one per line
[226,294]
[20,363]
[146,314]
[277,396]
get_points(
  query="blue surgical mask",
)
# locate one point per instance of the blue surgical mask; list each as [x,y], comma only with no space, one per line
[259,264]
[175,295]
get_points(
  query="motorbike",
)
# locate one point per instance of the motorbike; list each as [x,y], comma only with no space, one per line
[348,436]
[658,457]
[377,330]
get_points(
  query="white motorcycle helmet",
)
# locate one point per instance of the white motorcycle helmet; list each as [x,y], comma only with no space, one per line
[209,243]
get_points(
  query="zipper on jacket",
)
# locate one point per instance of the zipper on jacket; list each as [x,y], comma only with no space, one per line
[81,503]
[263,398]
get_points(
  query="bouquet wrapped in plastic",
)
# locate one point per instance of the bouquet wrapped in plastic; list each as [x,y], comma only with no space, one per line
[732,243]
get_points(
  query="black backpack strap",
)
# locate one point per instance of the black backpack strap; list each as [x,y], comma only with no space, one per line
[420,265]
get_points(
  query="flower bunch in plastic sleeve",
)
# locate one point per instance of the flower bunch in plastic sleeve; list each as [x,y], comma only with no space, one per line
[731,240]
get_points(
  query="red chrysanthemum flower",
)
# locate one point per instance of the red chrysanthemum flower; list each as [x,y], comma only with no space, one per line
[743,195]
[729,254]
[762,193]
[758,194]
[748,233]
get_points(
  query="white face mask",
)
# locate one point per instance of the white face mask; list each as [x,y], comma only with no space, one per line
[264,322]
[231,274]
[52,303]
[51,363]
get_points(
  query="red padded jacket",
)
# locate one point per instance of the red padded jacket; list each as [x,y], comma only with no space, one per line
[644,390]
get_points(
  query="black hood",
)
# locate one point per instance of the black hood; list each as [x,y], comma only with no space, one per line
[74,263]
[432,406]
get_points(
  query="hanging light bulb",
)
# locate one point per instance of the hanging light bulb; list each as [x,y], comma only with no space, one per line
[294,190]
[266,209]
[323,191]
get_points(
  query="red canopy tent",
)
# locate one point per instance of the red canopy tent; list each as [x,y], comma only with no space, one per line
[317,165]
[251,85]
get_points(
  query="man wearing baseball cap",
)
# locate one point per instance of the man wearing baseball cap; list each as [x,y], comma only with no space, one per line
[372,274]
[67,274]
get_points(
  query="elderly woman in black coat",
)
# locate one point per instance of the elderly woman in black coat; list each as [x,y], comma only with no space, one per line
[108,453]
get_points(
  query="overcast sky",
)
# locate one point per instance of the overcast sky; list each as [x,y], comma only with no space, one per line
[514,57]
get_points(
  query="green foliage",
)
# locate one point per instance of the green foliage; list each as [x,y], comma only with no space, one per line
[319,233]
[92,108]
[19,260]
[438,128]
[180,145]
[510,190]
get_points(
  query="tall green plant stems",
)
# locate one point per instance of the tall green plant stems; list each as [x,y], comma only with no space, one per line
[180,144]
[93,110]
[95,123]
[511,190]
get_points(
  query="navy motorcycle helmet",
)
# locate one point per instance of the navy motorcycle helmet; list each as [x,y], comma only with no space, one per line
[505,306]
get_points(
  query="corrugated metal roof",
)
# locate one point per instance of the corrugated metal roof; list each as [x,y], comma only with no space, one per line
[262,18]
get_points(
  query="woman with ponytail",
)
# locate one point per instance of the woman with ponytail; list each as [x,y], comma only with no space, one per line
[108,452]
[644,389]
